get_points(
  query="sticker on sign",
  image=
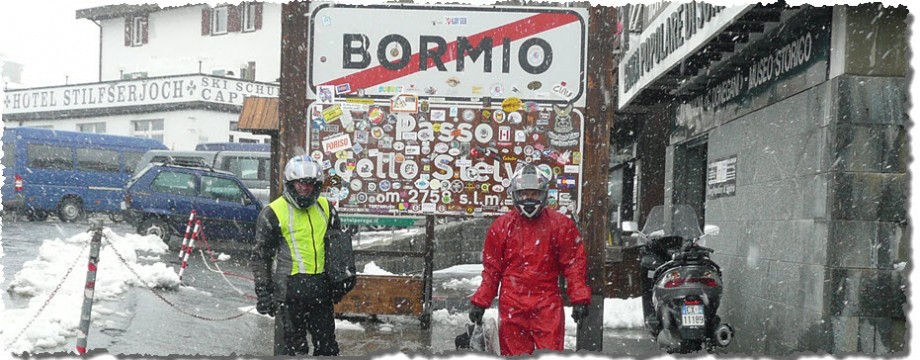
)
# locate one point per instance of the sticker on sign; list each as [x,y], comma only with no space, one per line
[368,47]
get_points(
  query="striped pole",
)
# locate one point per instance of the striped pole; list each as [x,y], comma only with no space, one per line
[188,227]
[188,250]
[90,289]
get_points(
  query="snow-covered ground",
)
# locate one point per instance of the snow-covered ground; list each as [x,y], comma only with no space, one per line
[132,260]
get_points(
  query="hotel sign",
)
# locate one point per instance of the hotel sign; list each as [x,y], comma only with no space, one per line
[150,91]
[681,29]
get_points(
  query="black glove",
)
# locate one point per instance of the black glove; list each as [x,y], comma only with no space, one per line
[265,304]
[341,288]
[476,313]
[579,312]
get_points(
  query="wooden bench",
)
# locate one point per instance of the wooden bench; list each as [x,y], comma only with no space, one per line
[384,295]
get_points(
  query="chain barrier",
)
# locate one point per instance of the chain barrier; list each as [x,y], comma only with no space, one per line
[215,260]
[200,317]
[224,274]
[50,296]
[76,260]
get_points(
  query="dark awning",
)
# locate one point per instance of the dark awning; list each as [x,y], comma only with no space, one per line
[259,115]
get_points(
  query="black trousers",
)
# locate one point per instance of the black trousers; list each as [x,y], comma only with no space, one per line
[306,310]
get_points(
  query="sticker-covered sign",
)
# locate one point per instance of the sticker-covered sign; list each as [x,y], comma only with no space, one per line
[462,52]
[450,167]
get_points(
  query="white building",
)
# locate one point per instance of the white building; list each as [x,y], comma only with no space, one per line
[177,74]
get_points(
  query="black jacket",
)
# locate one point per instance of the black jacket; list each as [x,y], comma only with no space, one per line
[268,239]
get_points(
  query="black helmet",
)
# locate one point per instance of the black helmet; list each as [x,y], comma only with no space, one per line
[304,169]
[529,178]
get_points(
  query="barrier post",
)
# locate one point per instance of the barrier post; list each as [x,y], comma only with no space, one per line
[95,244]
[191,245]
[188,227]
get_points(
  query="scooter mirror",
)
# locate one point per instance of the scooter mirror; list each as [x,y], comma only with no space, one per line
[711,230]
[630,226]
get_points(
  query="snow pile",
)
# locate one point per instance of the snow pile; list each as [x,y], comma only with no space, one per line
[623,313]
[372,269]
[339,323]
[442,316]
[462,270]
[58,322]
[348,325]
[464,283]
[365,238]
[618,313]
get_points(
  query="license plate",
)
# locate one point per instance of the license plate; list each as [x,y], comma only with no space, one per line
[692,315]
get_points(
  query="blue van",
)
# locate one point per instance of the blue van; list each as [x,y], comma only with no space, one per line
[67,173]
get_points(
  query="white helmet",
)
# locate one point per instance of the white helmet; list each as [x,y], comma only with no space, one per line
[529,177]
[305,169]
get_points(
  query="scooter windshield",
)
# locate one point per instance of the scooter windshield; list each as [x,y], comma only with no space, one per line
[681,221]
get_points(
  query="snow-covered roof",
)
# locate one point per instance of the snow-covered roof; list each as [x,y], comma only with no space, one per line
[114,11]
[117,11]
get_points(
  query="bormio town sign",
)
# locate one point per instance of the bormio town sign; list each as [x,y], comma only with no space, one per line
[433,120]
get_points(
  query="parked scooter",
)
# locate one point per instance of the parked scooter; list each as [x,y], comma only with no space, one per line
[681,285]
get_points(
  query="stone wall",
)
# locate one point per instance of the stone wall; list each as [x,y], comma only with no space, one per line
[813,239]
[458,242]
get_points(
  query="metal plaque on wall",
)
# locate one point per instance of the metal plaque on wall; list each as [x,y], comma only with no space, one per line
[720,178]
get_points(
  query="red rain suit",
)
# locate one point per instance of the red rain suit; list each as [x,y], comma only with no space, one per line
[527,256]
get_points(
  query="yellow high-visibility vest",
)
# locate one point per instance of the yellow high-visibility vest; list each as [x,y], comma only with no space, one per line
[303,230]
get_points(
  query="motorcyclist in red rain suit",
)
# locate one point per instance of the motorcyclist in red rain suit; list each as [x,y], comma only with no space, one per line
[525,251]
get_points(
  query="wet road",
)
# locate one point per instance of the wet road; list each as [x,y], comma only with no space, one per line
[192,320]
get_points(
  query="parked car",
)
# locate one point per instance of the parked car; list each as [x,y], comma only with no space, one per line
[252,167]
[158,201]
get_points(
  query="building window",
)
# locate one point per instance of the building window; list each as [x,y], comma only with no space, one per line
[250,14]
[234,125]
[140,31]
[231,18]
[98,128]
[219,20]
[135,30]
[149,129]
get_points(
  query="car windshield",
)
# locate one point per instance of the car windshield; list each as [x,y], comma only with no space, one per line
[681,221]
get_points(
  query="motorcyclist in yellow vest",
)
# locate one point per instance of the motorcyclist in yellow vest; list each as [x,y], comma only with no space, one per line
[291,233]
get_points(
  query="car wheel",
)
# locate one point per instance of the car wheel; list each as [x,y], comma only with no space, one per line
[36,215]
[117,217]
[155,226]
[377,227]
[350,229]
[70,210]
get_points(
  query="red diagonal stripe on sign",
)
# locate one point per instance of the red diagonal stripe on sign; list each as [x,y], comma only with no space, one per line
[528,26]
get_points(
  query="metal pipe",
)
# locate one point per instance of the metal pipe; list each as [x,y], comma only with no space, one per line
[86,313]
[100,49]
